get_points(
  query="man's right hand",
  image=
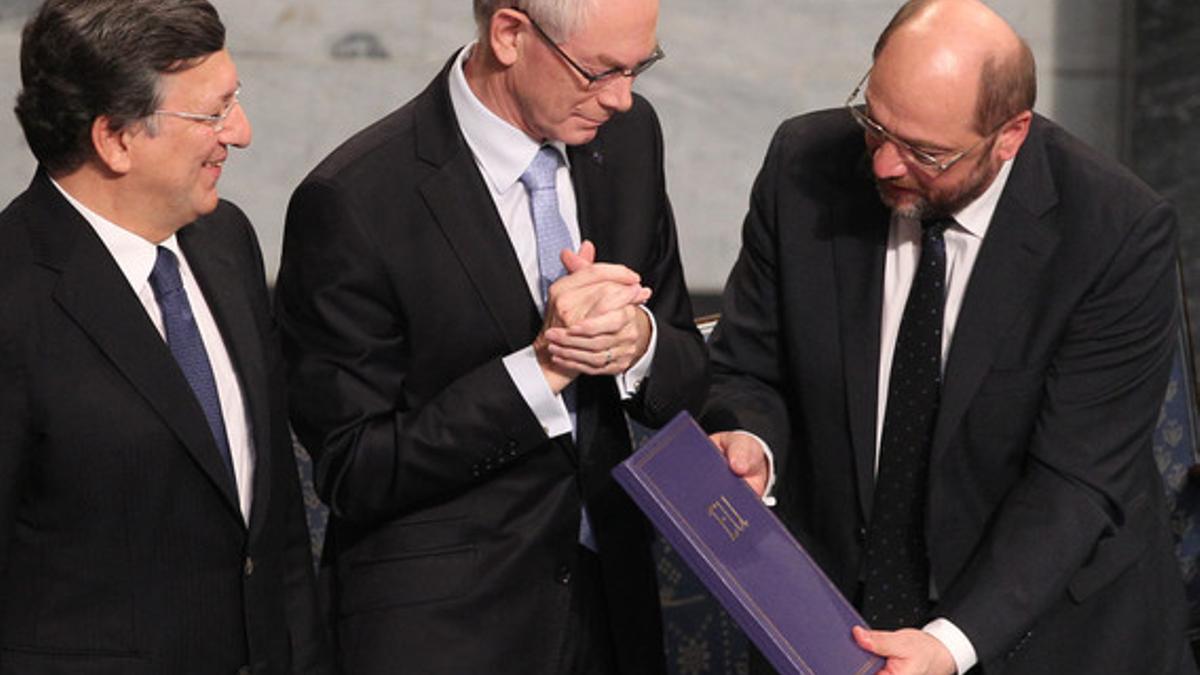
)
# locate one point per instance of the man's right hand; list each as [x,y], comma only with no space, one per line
[745,456]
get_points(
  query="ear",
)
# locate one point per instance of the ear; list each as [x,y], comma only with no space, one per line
[112,146]
[1013,135]
[505,35]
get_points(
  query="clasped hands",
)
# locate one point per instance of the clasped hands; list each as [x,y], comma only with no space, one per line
[593,324]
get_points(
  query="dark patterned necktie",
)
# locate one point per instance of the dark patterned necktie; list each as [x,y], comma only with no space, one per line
[896,588]
[183,338]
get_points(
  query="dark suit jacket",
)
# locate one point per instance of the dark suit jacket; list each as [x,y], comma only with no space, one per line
[122,548]
[1045,519]
[454,518]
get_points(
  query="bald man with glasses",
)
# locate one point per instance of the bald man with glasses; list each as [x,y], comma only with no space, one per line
[953,323]
[473,293]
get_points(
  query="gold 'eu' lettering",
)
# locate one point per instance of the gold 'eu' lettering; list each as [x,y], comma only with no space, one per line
[728,518]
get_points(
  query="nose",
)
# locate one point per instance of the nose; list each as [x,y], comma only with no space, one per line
[237,131]
[617,96]
[887,162]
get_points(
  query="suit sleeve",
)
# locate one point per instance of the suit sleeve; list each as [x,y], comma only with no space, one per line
[378,449]
[1075,519]
[679,373]
[746,347]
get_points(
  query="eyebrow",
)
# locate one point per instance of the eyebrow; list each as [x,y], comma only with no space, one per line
[609,63]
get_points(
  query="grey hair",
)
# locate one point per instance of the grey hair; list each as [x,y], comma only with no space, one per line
[559,18]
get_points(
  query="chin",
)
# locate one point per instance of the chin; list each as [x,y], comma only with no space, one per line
[907,207]
[578,136]
[208,205]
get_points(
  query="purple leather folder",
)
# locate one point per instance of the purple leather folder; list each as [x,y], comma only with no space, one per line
[743,554]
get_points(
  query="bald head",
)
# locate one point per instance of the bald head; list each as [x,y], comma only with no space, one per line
[959,53]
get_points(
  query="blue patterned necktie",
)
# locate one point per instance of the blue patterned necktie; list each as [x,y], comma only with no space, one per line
[896,588]
[183,338]
[552,236]
[548,225]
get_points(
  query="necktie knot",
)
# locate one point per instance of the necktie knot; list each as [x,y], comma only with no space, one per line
[541,172]
[164,278]
[935,227]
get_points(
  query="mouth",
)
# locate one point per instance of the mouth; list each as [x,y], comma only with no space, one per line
[892,187]
[214,168]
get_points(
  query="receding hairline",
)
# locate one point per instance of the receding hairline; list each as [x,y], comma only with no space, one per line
[1007,77]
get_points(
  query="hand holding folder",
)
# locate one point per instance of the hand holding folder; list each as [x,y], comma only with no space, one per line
[743,554]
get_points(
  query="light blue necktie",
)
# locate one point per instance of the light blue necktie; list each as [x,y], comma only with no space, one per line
[552,236]
[183,338]
[548,225]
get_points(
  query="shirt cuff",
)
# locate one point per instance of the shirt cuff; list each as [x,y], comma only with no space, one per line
[955,641]
[548,407]
[768,497]
[629,381]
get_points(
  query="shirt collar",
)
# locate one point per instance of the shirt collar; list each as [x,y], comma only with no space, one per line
[976,216]
[502,151]
[134,255]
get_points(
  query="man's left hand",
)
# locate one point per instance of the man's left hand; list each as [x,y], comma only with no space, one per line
[908,651]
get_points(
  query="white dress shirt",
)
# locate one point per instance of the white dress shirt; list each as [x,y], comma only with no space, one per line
[135,257]
[963,241]
[502,152]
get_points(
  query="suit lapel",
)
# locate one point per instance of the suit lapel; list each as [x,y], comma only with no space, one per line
[587,168]
[593,211]
[1017,246]
[224,288]
[94,293]
[859,251]
[460,203]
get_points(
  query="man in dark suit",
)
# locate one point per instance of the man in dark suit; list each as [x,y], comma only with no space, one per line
[460,371]
[969,461]
[150,514]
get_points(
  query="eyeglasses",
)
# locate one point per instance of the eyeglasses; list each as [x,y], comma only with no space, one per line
[933,164]
[216,122]
[602,77]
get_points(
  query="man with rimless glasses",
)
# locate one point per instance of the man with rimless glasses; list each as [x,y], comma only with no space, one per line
[150,511]
[473,292]
[952,324]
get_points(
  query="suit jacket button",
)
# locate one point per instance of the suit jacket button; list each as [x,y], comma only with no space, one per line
[563,576]
[248,570]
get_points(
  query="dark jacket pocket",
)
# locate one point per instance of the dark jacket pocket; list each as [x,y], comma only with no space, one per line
[405,579]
